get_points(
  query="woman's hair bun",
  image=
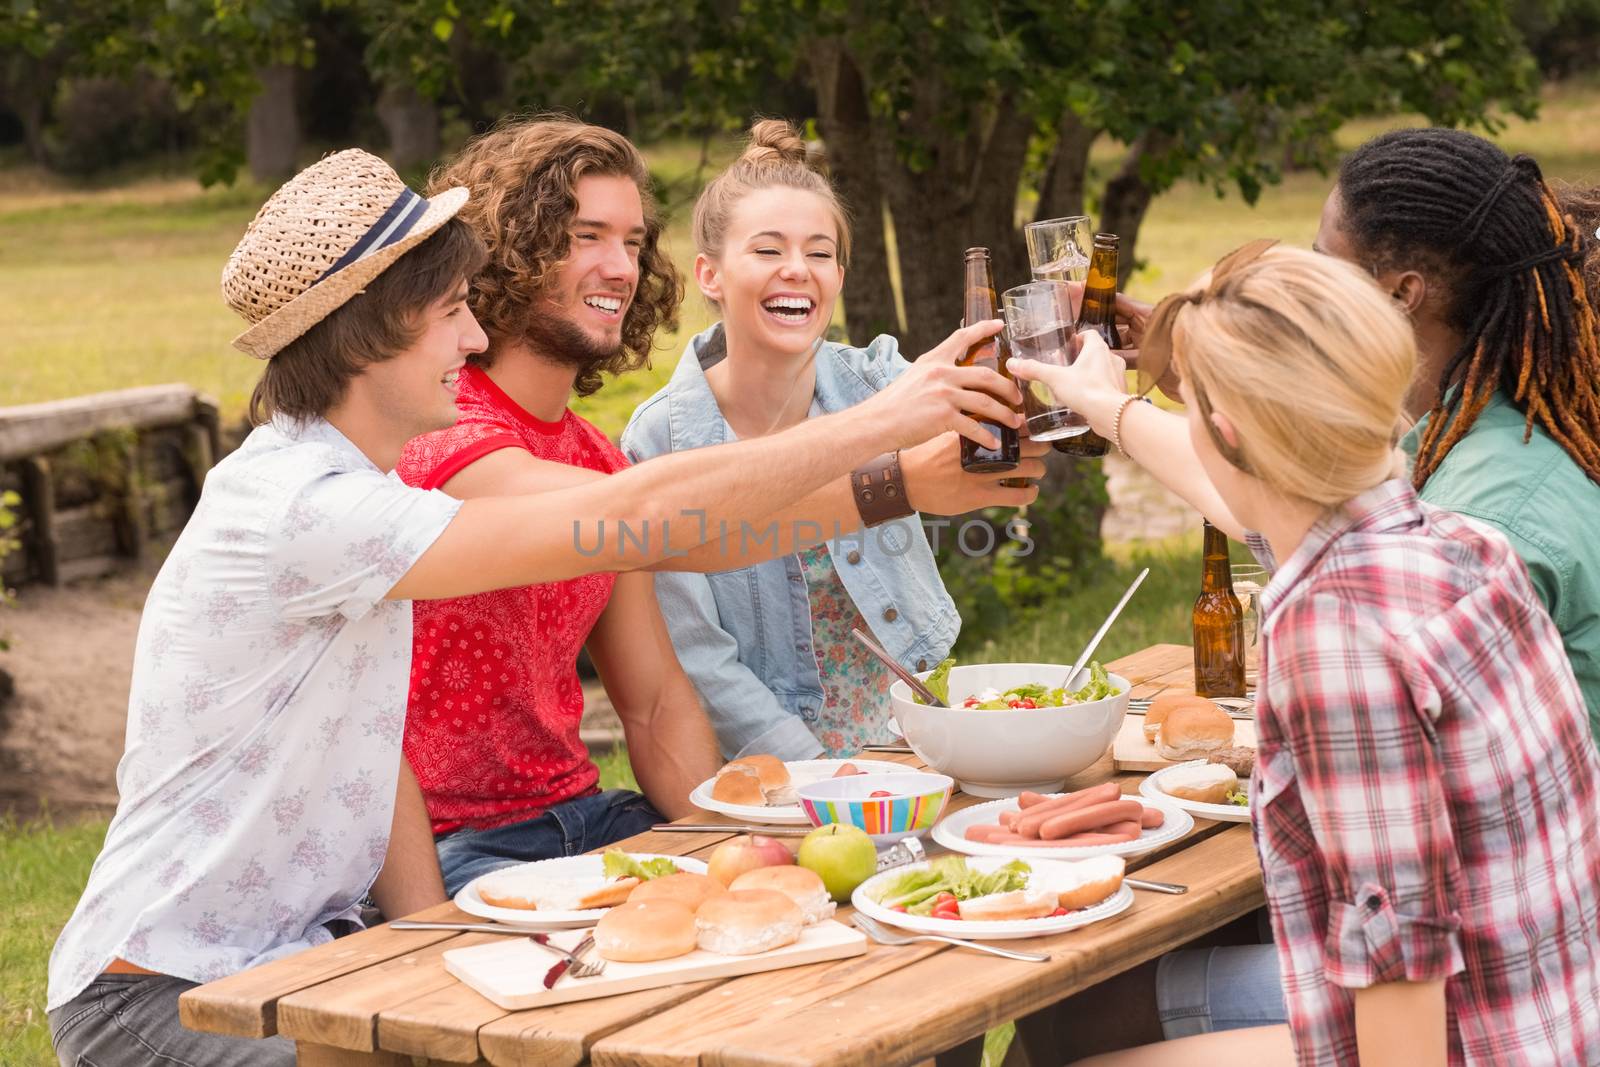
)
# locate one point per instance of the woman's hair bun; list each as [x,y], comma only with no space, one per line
[774,141]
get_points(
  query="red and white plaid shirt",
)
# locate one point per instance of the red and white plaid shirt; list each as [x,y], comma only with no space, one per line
[1425,794]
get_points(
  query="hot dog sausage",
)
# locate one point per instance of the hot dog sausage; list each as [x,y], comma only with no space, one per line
[1035,817]
[1152,818]
[1092,817]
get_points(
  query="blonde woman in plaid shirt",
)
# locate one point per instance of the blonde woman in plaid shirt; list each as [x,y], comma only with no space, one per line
[1425,799]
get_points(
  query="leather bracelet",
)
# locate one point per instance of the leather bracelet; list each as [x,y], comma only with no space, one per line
[1116,421]
[880,490]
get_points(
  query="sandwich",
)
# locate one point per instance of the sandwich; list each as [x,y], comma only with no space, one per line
[747,921]
[758,781]
[1086,883]
[1193,731]
[640,931]
[1206,783]
[800,884]
[529,890]
[1030,903]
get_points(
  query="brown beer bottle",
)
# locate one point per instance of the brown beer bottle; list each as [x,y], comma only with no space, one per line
[991,352]
[1098,313]
[1218,624]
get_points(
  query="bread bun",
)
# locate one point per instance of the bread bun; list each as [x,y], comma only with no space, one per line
[1017,904]
[799,884]
[773,774]
[1193,731]
[644,930]
[532,891]
[1087,882]
[687,888]
[748,921]
[1162,706]
[1207,783]
[739,785]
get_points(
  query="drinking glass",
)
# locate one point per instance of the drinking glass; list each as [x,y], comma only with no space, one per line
[1248,579]
[1058,250]
[1039,326]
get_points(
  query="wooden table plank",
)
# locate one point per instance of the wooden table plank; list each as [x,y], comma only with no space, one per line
[343,1013]
[562,1036]
[917,1012]
[681,1036]
[245,1004]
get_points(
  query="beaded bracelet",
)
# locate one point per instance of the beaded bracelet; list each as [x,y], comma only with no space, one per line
[1116,421]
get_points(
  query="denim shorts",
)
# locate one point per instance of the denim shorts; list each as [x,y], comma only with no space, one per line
[1228,988]
[131,1020]
[569,829]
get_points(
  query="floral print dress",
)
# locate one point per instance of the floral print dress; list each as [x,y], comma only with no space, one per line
[855,686]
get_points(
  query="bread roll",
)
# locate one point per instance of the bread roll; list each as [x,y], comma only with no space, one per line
[687,888]
[1087,882]
[774,775]
[1208,783]
[1017,904]
[748,921]
[1162,706]
[799,884]
[739,785]
[1194,731]
[644,930]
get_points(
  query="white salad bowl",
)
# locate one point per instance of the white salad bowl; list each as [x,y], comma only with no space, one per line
[1001,753]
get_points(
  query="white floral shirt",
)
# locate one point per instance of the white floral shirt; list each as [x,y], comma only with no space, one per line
[265,718]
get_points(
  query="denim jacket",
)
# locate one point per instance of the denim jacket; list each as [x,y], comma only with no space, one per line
[744,636]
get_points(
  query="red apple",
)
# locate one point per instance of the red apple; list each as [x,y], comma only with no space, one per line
[733,858]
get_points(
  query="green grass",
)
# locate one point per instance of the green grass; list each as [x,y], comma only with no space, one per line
[42,870]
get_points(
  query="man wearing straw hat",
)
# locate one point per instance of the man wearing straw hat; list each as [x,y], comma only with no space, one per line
[262,792]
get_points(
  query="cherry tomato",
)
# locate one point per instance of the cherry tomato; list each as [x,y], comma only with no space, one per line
[951,912]
[879,793]
[899,907]
[944,898]
[1058,911]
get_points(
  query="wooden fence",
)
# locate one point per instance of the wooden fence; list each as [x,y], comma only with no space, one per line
[101,476]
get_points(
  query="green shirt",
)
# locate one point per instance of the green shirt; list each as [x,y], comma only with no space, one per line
[1550,512]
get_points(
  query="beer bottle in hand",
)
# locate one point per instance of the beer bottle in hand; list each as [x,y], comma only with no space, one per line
[1098,313]
[1218,624]
[992,353]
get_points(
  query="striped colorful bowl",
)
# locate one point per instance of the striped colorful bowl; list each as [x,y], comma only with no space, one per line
[914,803]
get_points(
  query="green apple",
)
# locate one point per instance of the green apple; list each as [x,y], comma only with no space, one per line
[843,857]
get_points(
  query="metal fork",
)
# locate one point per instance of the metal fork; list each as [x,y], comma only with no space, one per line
[884,937]
[575,965]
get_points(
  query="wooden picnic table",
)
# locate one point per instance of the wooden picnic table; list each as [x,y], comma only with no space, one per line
[382,996]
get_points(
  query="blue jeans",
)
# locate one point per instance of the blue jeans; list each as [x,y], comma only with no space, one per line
[568,829]
[131,1020]
[1227,988]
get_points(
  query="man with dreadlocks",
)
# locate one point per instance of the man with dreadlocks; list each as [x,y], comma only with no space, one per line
[1478,249]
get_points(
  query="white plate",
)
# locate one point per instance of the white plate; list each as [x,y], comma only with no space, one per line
[951,830]
[801,772]
[1151,787]
[470,902]
[1004,930]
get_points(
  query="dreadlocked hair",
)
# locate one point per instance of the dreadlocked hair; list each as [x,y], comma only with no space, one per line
[1459,210]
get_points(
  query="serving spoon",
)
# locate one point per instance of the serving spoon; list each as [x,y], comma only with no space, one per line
[900,672]
[1094,642]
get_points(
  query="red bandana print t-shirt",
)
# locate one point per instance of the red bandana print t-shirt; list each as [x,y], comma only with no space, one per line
[494,707]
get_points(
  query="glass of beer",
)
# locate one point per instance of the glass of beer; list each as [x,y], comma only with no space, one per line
[1039,323]
[1248,580]
[1058,249]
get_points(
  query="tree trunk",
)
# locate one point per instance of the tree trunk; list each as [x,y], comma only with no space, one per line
[412,124]
[1061,193]
[847,132]
[29,86]
[272,137]
[1127,198]
[997,178]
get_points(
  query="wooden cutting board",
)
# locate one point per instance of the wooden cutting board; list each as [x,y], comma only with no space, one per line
[1133,753]
[511,972]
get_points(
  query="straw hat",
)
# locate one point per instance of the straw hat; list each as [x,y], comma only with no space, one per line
[319,240]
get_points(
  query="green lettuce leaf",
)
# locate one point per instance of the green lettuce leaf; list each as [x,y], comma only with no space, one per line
[939,680]
[618,864]
[915,890]
[1039,693]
